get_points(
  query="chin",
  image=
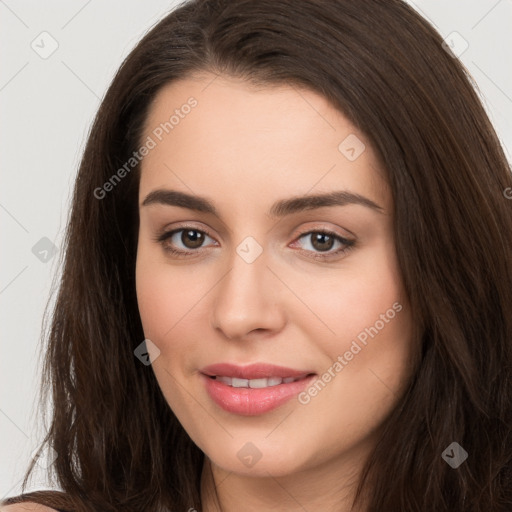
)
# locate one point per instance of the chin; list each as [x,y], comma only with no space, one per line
[258,459]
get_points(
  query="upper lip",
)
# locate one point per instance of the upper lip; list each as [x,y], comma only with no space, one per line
[252,371]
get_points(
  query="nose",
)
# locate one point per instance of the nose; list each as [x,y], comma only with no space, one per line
[247,299]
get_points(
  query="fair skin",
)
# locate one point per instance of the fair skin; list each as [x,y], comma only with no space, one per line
[244,149]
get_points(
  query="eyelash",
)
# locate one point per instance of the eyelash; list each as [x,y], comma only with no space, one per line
[348,244]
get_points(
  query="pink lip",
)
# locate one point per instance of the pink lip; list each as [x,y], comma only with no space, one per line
[252,371]
[248,401]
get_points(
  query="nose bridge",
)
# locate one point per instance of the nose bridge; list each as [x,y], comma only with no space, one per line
[246,297]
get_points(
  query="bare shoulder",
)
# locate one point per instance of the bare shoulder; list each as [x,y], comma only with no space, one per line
[27,506]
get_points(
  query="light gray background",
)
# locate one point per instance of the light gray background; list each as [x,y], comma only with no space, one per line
[47,106]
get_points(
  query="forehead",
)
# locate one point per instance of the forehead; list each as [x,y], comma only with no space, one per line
[214,134]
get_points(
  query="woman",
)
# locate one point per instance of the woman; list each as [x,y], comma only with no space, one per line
[288,275]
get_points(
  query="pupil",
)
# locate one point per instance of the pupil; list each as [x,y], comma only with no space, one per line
[192,238]
[322,241]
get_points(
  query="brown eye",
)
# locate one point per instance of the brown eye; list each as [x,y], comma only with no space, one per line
[192,238]
[319,244]
[322,241]
[184,241]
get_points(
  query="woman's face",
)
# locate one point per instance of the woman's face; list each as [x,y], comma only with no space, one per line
[229,182]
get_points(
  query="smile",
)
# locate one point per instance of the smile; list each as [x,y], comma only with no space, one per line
[256,383]
[253,389]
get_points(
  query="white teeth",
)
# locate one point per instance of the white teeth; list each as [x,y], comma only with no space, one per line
[255,383]
[259,383]
[239,383]
[274,381]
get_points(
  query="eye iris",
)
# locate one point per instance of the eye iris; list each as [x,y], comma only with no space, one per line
[194,236]
[322,241]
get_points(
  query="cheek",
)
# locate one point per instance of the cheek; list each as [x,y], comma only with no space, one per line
[164,294]
[174,308]
[365,295]
[370,354]
[367,361]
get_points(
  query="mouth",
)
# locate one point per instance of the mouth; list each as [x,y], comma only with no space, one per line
[255,389]
[266,382]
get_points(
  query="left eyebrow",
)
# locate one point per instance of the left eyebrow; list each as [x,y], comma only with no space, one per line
[280,208]
[311,202]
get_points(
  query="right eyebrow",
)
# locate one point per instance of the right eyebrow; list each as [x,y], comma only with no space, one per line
[176,198]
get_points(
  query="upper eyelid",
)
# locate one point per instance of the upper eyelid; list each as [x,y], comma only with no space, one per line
[191,225]
[168,231]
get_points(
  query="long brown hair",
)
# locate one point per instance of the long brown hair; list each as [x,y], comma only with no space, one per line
[119,445]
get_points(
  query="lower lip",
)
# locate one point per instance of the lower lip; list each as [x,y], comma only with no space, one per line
[251,402]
